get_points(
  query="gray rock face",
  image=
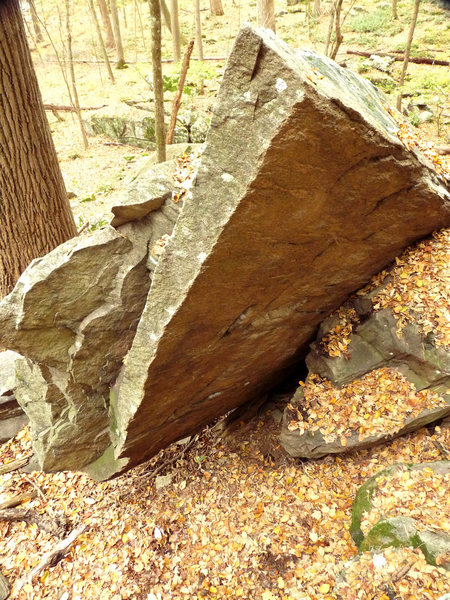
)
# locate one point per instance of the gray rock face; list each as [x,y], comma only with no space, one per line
[303,193]
[12,417]
[373,344]
[73,315]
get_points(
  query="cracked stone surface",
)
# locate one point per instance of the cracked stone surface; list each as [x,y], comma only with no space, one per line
[303,193]
[72,316]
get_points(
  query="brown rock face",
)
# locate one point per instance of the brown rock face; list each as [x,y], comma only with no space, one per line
[303,193]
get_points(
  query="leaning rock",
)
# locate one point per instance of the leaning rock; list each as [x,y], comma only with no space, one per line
[4,587]
[296,204]
[12,418]
[400,523]
[73,315]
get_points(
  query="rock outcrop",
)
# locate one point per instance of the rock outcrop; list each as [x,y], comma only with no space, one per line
[12,417]
[304,191]
[73,315]
[377,373]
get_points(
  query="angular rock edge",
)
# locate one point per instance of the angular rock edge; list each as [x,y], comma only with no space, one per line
[291,135]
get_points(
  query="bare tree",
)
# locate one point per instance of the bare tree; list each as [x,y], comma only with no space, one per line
[35,214]
[412,27]
[35,19]
[117,35]
[104,13]
[72,76]
[394,10]
[158,90]
[216,8]
[316,8]
[175,30]
[165,13]
[100,39]
[198,30]
[266,14]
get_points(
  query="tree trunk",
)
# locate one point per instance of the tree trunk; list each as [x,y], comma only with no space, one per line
[166,14]
[316,8]
[407,53]
[100,38]
[117,35]
[72,77]
[158,91]
[175,30]
[394,10]
[35,214]
[266,14]
[35,19]
[216,7]
[110,43]
[198,30]
[338,37]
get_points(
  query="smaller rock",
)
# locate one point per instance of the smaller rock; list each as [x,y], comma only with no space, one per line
[163,481]
[12,417]
[147,193]
[426,116]
[381,63]
[399,531]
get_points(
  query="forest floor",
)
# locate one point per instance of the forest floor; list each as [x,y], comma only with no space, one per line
[225,514]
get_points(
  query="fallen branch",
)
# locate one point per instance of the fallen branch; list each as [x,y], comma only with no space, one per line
[32,516]
[64,108]
[177,99]
[170,461]
[419,60]
[14,465]
[17,499]
[50,559]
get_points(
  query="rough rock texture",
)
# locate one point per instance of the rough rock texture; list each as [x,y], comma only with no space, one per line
[12,417]
[73,315]
[303,193]
[374,343]
[4,587]
[398,531]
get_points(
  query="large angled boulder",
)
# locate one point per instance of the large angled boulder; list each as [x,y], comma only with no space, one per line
[304,191]
[72,316]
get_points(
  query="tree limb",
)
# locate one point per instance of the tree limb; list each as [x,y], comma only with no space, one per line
[419,60]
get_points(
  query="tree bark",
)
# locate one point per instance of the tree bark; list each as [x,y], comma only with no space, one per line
[158,91]
[110,43]
[100,38]
[117,35]
[175,30]
[35,214]
[407,53]
[198,30]
[316,8]
[216,8]
[266,14]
